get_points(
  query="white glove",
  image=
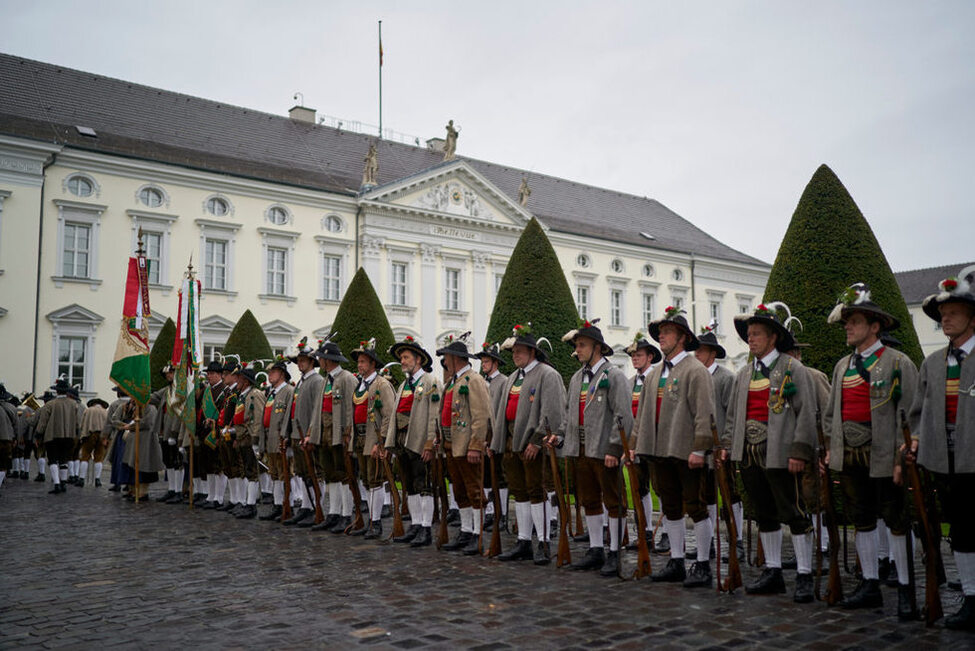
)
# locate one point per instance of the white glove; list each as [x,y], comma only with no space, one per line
[171,441]
[257,451]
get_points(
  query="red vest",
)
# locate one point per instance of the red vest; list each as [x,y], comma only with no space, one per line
[446,413]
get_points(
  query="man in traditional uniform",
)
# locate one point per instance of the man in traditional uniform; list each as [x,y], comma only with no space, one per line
[708,353]
[598,397]
[275,431]
[8,430]
[216,481]
[464,420]
[411,435]
[771,427]
[229,455]
[245,434]
[166,429]
[337,413]
[93,439]
[870,387]
[673,429]
[533,400]
[643,355]
[942,419]
[374,406]
[57,423]
[491,363]
[306,424]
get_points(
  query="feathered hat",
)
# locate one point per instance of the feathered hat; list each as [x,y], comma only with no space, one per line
[856,298]
[587,328]
[411,344]
[771,315]
[367,348]
[328,349]
[456,346]
[640,342]
[674,316]
[956,289]
[522,335]
[710,339]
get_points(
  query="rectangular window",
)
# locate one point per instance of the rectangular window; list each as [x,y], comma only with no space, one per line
[452,289]
[215,265]
[616,307]
[582,301]
[77,249]
[744,308]
[332,277]
[276,270]
[679,302]
[715,308]
[397,285]
[153,246]
[211,353]
[71,359]
[648,313]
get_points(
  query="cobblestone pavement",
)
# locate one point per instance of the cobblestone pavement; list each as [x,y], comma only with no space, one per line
[88,569]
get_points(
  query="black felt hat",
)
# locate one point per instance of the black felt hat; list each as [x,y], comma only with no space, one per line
[456,346]
[587,328]
[640,342]
[367,348]
[522,335]
[409,343]
[958,289]
[674,316]
[856,298]
[709,339]
[769,314]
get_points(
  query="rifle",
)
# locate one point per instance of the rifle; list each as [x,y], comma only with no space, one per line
[564,556]
[495,547]
[286,473]
[932,542]
[575,497]
[319,516]
[353,486]
[394,495]
[834,588]
[721,478]
[440,467]
[642,551]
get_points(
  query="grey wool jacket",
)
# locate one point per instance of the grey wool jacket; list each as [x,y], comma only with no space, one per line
[542,399]
[609,398]
[927,415]
[684,424]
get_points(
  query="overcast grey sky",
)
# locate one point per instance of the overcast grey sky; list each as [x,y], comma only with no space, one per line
[720,110]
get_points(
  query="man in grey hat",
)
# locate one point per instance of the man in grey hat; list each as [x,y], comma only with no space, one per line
[942,420]
[870,386]
[598,398]
[275,431]
[57,423]
[93,425]
[532,397]
[166,429]
[491,363]
[306,424]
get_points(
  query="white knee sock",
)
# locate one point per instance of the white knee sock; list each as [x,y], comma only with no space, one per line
[523,516]
[594,523]
[17,465]
[823,534]
[553,511]
[387,498]
[348,508]
[98,470]
[426,511]
[712,516]
[180,475]
[376,507]
[55,476]
[772,546]
[83,471]
[966,572]
[278,490]
[883,540]
[648,510]
[467,520]
[675,530]
[334,489]
[538,519]
[488,506]
[306,501]
[452,503]
[703,532]
[898,554]
[503,492]
[867,552]
[221,487]
[64,472]
[614,534]
[476,521]
[42,465]
[266,483]
[253,492]
[211,488]
[803,544]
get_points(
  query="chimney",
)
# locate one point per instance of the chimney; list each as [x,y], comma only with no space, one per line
[436,144]
[302,114]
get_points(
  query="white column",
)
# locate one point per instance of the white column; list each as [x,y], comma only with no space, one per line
[372,248]
[428,288]
[477,298]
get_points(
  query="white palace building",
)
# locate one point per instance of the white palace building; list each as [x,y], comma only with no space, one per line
[276,217]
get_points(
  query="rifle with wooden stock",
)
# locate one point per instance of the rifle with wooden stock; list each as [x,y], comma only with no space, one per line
[394,495]
[932,541]
[319,515]
[733,580]
[642,550]
[494,548]
[286,474]
[564,556]
[834,587]
[439,470]
[350,475]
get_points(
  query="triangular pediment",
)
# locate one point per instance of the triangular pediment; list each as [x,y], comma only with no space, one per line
[216,323]
[279,327]
[455,190]
[75,313]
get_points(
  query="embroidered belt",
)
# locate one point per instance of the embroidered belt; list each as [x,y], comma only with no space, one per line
[856,435]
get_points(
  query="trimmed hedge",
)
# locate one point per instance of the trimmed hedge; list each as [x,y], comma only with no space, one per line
[360,317]
[247,339]
[161,353]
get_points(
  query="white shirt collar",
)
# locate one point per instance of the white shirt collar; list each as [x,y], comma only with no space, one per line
[968,346]
[877,345]
[232,387]
[532,364]
[713,368]
[769,359]
[495,374]
[417,374]
[278,387]
[335,371]
[596,366]
[674,361]
[246,391]
[462,371]
[371,377]
[309,373]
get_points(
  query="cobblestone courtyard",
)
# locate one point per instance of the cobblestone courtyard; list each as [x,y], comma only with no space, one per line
[88,569]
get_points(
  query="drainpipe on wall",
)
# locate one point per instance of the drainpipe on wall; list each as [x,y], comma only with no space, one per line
[37,289]
[358,216]
[693,298]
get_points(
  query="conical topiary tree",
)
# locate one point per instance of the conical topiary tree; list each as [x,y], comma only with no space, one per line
[534,289]
[162,353]
[247,339]
[829,246]
[361,317]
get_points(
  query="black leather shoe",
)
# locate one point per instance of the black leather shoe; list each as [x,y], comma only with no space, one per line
[267,498]
[769,582]
[473,545]
[326,525]
[633,546]
[453,518]
[804,589]
[699,575]
[341,524]
[175,499]
[662,547]
[611,566]
[906,603]
[964,619]
[458,543]
[273,514]
[883,569]
[522,551]
[309,522]
[55,490]
[165,497]
[98,483]
[226,506]
[673,572]
[866,595]
[80,483]
[236,510]
[582,537]
[115,488]
[40,477]
[593,560]
[375,532]
[789,563]
[248,512]
[892,579]
[409,535]
[424,538]
[386,512]
[543,555]
[298,516]
[361,531]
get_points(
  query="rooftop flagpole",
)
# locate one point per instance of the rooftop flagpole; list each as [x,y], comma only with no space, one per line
[380,79]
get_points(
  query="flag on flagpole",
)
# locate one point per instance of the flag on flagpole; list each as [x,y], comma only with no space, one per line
[130,369]
[187,351]
[380,52]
